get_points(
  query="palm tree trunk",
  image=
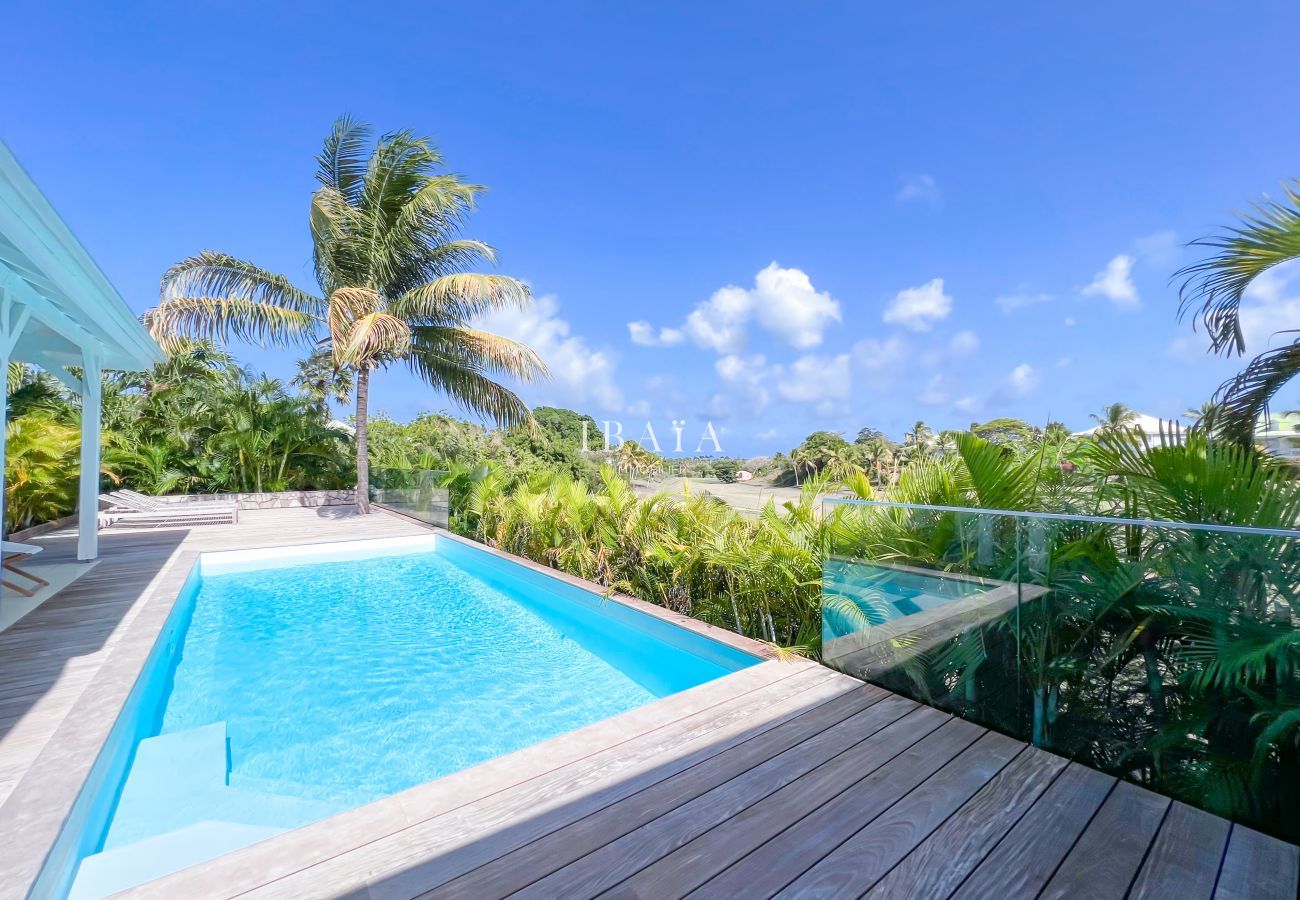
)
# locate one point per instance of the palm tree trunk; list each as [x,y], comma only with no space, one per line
[363,440]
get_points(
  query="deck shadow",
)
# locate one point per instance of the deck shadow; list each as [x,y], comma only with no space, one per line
[53,649]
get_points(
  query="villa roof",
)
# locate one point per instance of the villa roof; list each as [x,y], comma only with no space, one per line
[70,304]
[1147,424]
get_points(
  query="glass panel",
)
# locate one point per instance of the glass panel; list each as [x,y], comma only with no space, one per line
[418,493]
[923,602]
[1164,653]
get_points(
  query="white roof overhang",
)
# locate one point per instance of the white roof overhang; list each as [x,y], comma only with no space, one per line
[70,306]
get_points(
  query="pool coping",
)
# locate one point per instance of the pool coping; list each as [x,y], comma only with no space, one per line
[41,802]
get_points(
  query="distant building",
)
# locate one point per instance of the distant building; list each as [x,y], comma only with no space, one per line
[1151,426]
[1279,434]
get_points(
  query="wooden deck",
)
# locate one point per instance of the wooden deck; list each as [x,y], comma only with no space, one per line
[785,779]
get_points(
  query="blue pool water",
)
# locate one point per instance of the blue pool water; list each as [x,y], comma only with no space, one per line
[882,593]
[294,688]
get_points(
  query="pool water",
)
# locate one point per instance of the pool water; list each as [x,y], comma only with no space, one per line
[883,593]
[302,686]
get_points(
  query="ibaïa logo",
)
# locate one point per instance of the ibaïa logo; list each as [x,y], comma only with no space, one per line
[612,434]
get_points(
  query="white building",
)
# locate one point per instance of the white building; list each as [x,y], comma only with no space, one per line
[1152,427]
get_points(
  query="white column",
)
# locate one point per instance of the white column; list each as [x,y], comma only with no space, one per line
[88,490]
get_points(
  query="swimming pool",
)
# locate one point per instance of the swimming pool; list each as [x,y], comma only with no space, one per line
[877,594]
[292,684]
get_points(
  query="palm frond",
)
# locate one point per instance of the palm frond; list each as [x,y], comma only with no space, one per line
[1244,398]
[346,306]
[1214,287]
[481,350]
[220,318]
[212,274]
[455,299]
[340,165]
[467,387]
[376,337]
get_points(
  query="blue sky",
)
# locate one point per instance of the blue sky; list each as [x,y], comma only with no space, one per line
[775,216]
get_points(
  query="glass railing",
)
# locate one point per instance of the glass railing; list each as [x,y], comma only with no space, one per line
[418,493]
[1165,653]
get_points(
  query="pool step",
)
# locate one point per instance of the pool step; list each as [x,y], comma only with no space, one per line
[181,779]
[115,870]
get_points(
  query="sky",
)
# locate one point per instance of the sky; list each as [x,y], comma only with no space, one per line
[773,217]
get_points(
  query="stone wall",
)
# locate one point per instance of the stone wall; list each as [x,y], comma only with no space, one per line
[280,499]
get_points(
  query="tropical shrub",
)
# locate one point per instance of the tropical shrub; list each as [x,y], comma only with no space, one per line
[42,465]
[1167,655]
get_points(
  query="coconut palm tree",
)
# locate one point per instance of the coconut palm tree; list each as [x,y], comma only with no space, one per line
[1114,417]
[390,268]
[1213,290]
[320,381]
[1203,415]
[919,434]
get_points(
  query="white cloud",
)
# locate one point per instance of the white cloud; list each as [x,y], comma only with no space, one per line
[782,302]
[970,405]
[580,374]
[919,188]
[640,409]
[745,378]
[1063,362]
[816,380]
[643,333]
[1022,381]
[719,322]
[918,308]
[788,306]
[1069,321]
[873,355]
[767,434]
[1115,283]
[1020,299]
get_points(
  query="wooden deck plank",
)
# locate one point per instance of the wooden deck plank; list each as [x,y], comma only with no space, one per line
[1257,867]
[946,857]
[698,860]
[1025,859]
[345,851]
[733,789]
[867,856]
[1183,862]
[567,840]
[769,868]
[1108,854]
[615,861]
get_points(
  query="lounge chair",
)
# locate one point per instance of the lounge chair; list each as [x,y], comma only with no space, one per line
[144,503]
[11,554]
[126,510]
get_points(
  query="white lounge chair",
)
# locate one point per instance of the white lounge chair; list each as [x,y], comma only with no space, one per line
[11,554]
[146,503]
[125,510]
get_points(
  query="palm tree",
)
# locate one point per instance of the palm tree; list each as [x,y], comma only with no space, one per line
[1114,417]
[392,287]
[1215,287]
[1204,415]
[920,434]
[320,381]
